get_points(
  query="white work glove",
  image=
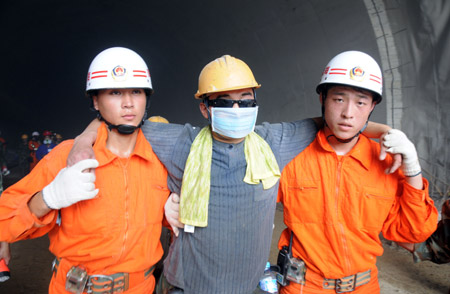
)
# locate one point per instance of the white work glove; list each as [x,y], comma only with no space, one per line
[172,212]
[71,185]
[397,143]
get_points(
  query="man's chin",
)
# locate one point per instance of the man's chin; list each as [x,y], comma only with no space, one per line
[345,135]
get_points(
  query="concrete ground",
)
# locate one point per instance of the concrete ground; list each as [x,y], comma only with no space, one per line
[31,267]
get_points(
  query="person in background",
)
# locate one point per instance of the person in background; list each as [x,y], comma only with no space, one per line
[33,146]
[4,168]
[103,216]
[158,119]
[24,155]
[46,146]
[337,197]
[5,252]
[57,138]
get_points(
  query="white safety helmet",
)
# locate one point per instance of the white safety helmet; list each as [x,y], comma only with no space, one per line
[116,68]
[353,68]
[35,134]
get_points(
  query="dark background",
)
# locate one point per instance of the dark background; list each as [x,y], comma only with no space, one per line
[47,46]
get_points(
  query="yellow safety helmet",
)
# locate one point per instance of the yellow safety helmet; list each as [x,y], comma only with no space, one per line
[158,119]
[224,74]
[24,136]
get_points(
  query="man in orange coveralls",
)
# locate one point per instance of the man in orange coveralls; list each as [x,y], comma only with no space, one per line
[105,238]
[33,146]
[337,197]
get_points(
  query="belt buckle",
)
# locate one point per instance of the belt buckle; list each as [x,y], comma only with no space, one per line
[346,284]
[105,290]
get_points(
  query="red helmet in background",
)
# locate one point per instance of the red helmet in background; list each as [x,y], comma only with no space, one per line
[47,133]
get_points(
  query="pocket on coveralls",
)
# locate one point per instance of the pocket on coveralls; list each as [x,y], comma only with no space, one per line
[374,208]
[305,201]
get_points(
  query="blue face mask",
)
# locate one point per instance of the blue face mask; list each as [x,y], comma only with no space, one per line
[233,122]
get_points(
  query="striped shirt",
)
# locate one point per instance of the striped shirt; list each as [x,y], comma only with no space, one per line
[229,255]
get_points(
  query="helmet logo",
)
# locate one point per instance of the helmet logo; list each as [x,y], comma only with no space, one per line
[119,73]
[357,74]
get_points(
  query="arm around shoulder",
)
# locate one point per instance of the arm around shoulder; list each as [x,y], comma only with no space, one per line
[375,130]
[82,147]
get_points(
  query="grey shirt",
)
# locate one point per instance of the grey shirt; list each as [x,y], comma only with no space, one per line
[229,255]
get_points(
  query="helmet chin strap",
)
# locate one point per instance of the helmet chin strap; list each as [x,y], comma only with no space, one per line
[122,129]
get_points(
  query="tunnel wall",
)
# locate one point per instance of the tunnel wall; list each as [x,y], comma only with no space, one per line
[421,30]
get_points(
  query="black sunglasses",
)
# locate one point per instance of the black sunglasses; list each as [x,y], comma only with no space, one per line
[230,103]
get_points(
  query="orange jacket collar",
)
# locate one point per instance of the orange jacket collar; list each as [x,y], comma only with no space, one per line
[104,156]
[359,152]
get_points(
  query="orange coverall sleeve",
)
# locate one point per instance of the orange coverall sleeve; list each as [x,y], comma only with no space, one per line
[413,217]
[16,220]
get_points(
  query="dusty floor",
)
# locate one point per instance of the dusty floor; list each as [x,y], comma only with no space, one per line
[31,268]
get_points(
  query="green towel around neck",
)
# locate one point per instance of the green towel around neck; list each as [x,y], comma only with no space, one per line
[194,199]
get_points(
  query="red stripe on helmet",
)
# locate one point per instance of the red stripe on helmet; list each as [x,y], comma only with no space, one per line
[375,77]
[377,81]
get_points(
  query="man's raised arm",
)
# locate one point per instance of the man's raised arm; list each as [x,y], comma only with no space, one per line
[82,147]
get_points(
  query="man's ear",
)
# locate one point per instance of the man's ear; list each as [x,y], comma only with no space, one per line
[373,105]
[95,102]
[203,110]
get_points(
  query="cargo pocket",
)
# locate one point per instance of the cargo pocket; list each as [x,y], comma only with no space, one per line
[305,201]
[374,208]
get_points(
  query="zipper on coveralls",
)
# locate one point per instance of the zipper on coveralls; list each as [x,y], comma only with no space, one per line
[341,226]
[127,196]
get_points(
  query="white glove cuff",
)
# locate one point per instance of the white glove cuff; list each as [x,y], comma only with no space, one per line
[46,192]
[411,169]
